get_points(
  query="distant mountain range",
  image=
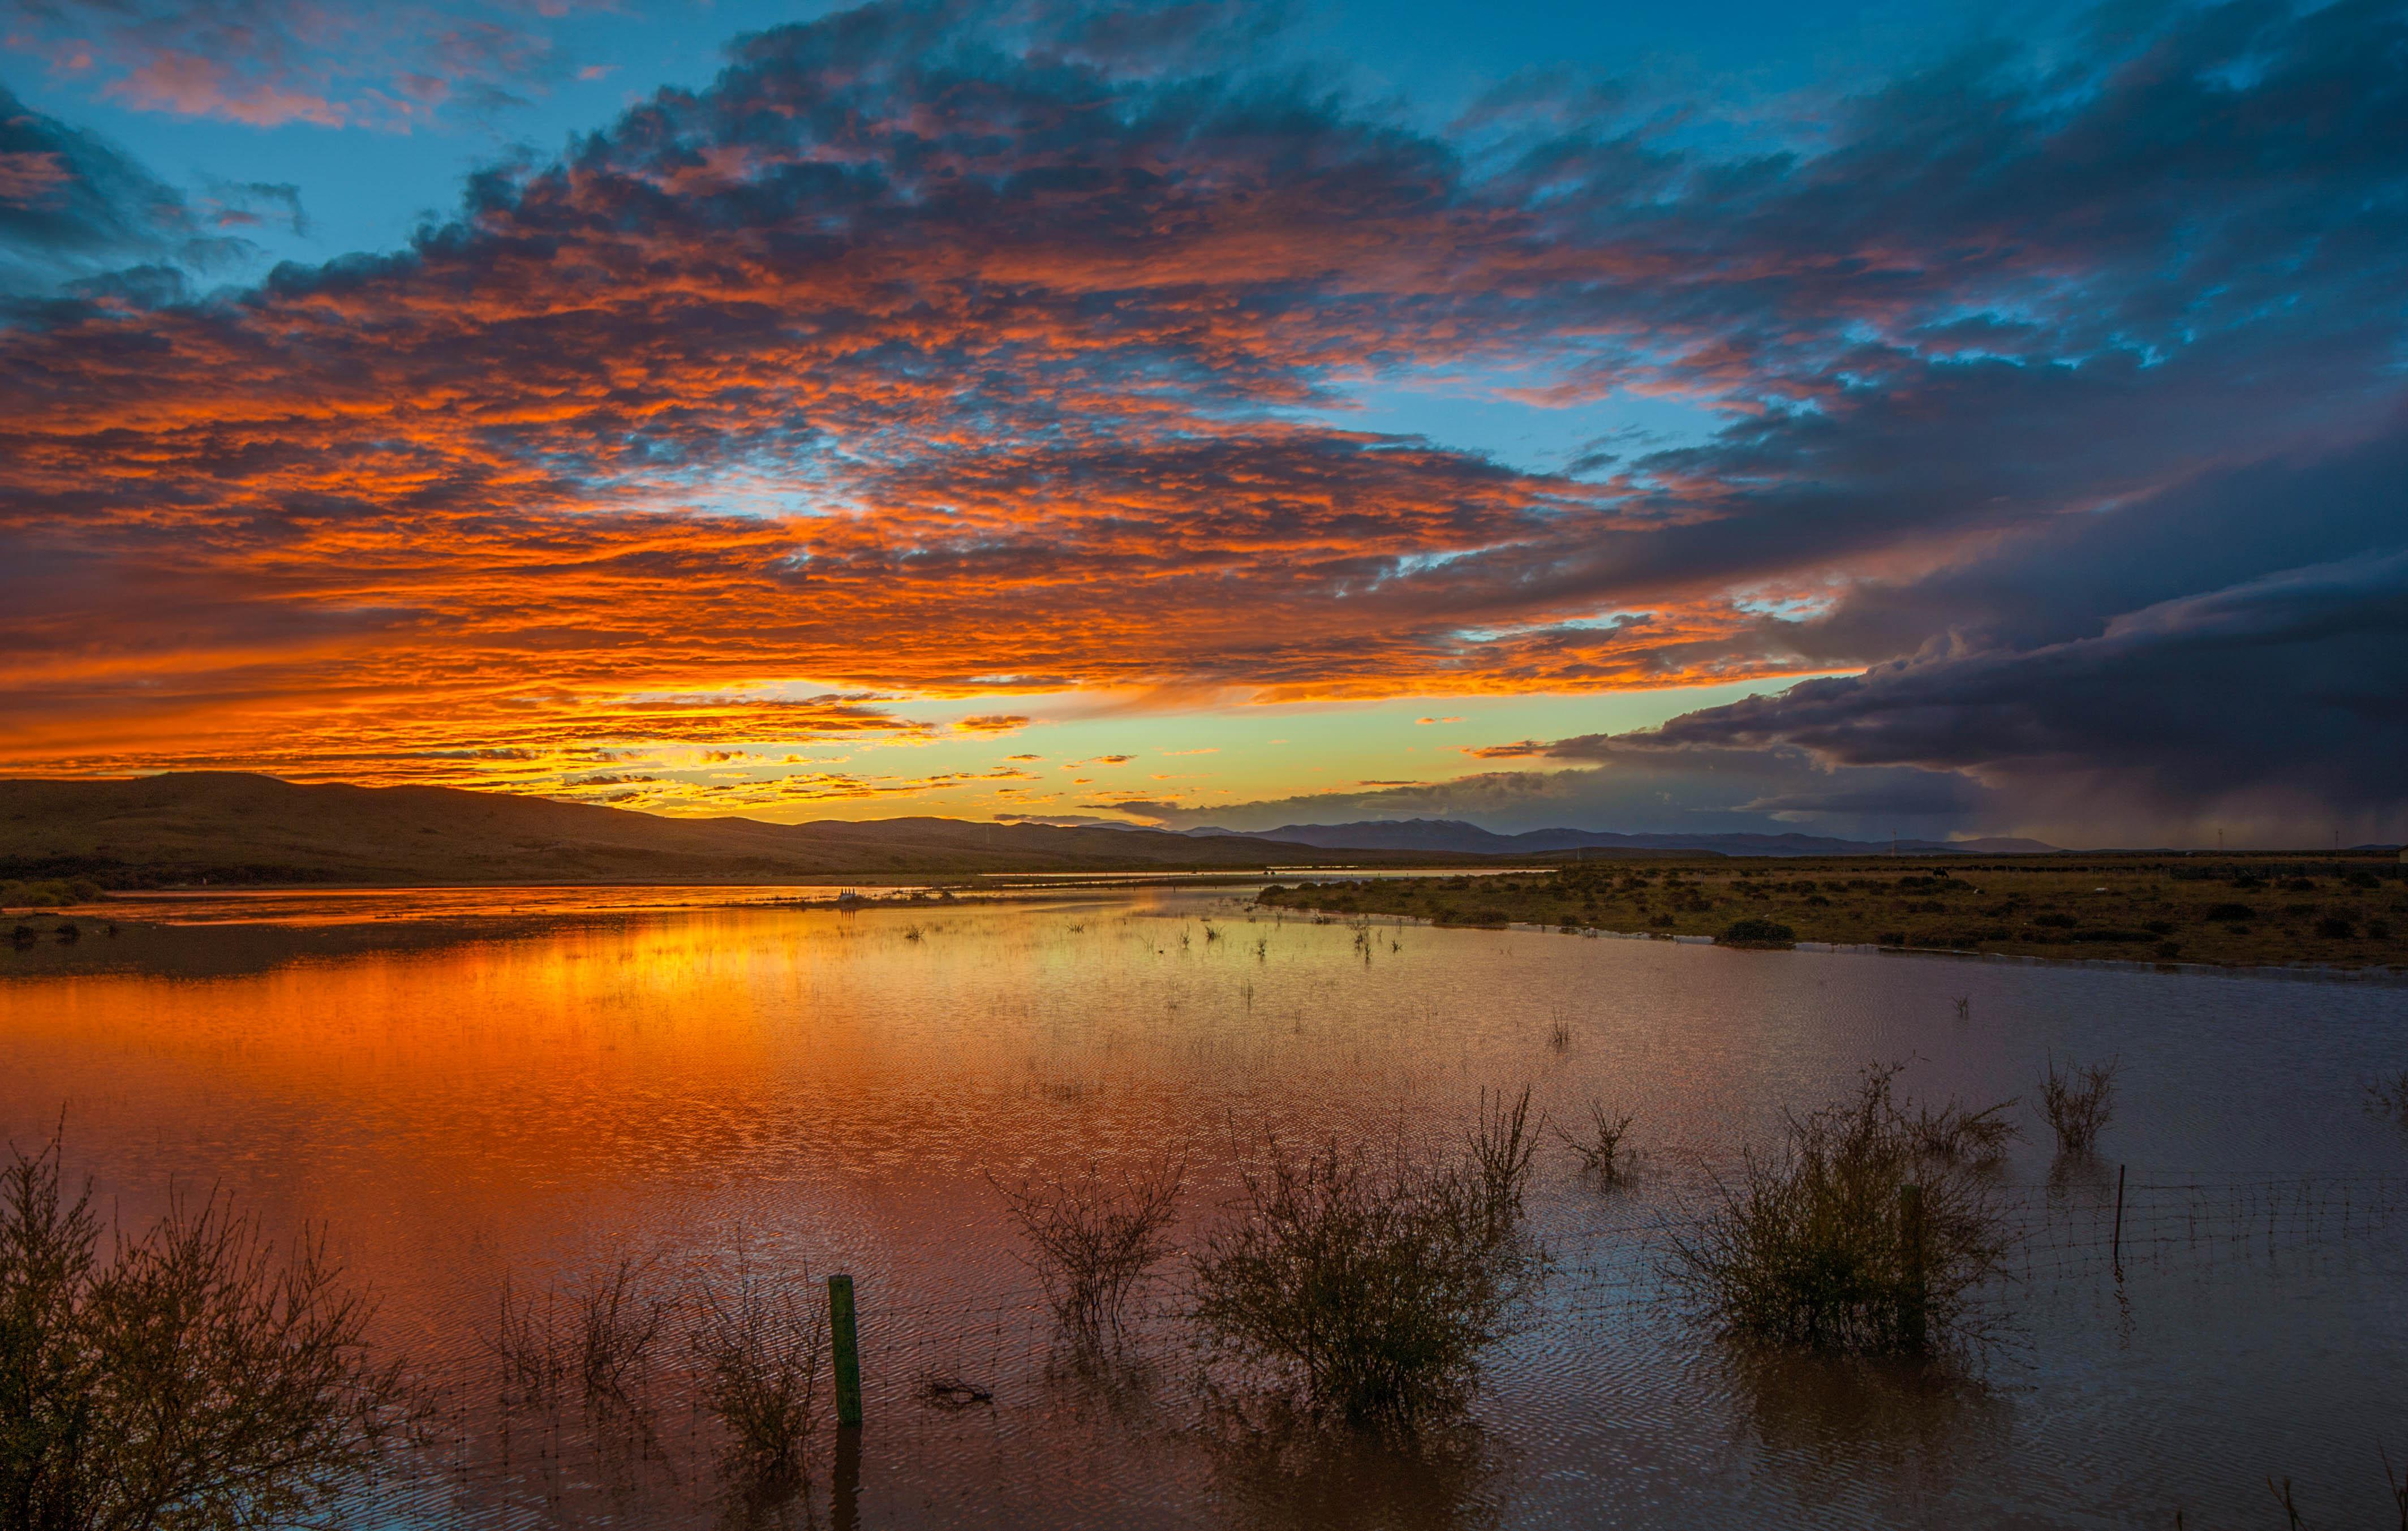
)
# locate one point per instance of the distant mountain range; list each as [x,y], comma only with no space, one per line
[1452,837]
[230,828]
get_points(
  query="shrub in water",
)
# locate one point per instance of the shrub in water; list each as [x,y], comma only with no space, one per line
[759,1353]
[197,1378]
[2079,1103]
[1853,1239]
[1961,1136]
[1600,1149]
[1093,1240]
[1374,1284]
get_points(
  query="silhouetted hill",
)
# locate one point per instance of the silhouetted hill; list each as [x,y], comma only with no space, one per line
[234,827]
[1444,837]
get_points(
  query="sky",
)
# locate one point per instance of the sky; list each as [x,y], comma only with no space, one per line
[1854,419]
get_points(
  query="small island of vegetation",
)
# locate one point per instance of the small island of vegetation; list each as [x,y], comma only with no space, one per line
[2340,911]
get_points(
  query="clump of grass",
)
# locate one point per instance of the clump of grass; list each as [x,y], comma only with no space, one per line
[198,1377]
[1852,1240]
[1559,1036]
[1958,1135]
[1093,1240]
[1372,1284]
[1600,1148]
[2079,1103]
[758,1353]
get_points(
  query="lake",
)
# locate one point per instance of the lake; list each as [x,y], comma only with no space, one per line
[532,1085]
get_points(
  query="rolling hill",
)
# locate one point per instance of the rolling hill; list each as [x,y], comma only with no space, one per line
[234,827]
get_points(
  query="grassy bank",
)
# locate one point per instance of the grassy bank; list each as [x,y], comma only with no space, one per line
[2344,911]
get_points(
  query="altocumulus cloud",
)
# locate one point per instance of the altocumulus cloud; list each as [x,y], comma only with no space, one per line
[928,333]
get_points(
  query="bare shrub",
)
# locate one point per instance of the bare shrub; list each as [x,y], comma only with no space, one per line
[1600,1148]
[1827,1246]
[758,1353]
[1375,1284]
[2389,1096]
[1959,1135]
[617,1326]
[2079,1103]
[198,1377]
[1093,1240]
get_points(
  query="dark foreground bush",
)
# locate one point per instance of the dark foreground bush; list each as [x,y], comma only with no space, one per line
[1374,1282]
[1757,932]
[199,1378]
[1854,1240]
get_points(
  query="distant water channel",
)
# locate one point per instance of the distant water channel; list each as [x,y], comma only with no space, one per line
[531,1085]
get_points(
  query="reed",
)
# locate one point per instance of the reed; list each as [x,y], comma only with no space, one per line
[525,1340]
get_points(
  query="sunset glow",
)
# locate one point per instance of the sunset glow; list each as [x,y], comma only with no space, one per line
[937,396]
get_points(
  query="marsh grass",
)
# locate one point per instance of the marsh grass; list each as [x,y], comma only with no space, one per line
[1817,1246]
[1372,1285]
[198,1377]
[2079,1103]
[1093,1240]
[1600,1148]
[758,1351]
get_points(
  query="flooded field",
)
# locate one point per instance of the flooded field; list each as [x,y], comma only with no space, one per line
[518,1086]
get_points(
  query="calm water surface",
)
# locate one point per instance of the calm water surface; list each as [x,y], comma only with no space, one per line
[486,1086]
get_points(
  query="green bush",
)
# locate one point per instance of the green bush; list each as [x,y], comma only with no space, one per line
[1827,1246]
[1374,1284]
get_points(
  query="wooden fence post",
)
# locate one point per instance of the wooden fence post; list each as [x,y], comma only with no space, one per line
[2117,1254]
[1916,1311]
[842,1332]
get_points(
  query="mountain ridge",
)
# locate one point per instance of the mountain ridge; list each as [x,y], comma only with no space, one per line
[1456,836]
[230,826]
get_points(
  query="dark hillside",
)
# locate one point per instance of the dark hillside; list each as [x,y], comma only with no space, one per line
[232,827]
